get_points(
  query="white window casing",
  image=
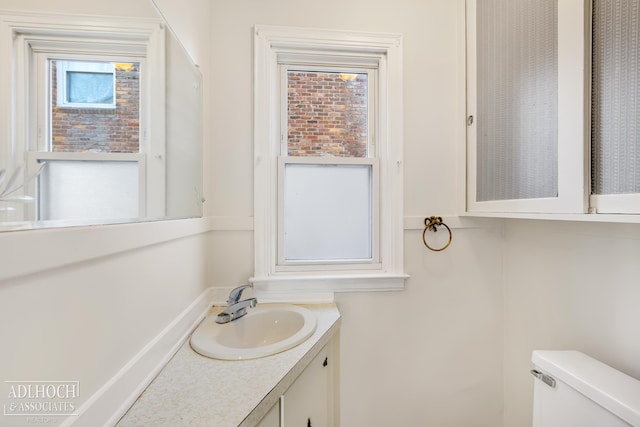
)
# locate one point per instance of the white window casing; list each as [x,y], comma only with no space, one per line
[327,49]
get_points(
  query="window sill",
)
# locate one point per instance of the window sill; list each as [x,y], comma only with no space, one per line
[320,288]
[612,218]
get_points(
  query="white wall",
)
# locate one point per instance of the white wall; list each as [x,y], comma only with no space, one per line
[431,355]
[134,8]
[568,286]
[427,356]
[78,317]
[86,320]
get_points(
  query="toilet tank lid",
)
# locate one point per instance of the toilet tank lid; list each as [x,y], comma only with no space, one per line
[610,388]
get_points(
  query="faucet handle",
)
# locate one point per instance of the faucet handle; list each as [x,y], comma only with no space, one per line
[236,293]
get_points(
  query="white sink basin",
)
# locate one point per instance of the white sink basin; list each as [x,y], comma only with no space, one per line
[265,330]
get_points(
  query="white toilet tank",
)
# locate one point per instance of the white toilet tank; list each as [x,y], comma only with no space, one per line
[574,390]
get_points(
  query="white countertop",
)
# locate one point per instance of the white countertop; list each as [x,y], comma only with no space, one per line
[193,390]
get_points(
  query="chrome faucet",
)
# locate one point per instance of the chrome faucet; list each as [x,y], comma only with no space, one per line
[236,308]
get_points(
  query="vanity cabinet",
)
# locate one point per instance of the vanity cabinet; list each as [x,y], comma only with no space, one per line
[272,419]
[309,401]
[291,388]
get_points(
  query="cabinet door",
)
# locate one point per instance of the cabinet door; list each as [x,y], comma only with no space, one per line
[526,103]
[308,402]
[615,111]
[272,418]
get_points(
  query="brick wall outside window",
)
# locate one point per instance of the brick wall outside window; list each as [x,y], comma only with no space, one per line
[327,114]
[113,130]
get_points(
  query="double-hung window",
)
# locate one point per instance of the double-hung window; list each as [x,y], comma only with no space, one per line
[327,170]
[328,181]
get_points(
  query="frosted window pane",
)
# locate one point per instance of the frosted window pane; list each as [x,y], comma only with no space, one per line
[88,189]
[327,212]
[517,123]
[616,97]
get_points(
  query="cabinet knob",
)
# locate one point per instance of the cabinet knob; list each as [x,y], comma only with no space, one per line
[326,361]
[308,422]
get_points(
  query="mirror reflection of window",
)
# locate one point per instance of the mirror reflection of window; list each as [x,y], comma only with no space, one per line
[84,84]
[95,106]
[92,120]
[72,189]
[85,88]
[114,112]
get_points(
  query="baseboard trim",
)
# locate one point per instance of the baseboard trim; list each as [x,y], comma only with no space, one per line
[115,397]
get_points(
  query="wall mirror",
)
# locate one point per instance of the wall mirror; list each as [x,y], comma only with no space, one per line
[102,122]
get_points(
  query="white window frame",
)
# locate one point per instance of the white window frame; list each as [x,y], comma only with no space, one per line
[302,61]
[64,67]
[313,47]
[28,34]
[573,117]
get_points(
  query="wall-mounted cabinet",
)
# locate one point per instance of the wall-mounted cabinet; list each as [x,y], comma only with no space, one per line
[552,117]
[526,127]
